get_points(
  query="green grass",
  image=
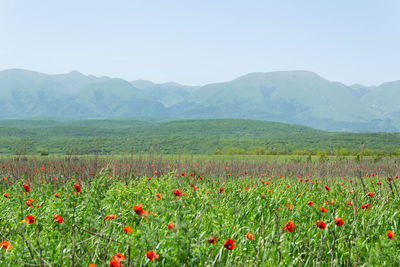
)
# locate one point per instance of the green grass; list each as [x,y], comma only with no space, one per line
[261,210]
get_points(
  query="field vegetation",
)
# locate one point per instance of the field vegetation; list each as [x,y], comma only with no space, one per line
[198,211]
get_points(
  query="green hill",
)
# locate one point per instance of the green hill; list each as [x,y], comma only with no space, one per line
[185,136]
[296,97]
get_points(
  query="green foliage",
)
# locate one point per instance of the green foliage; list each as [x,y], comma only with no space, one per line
[44,153]
[230,136]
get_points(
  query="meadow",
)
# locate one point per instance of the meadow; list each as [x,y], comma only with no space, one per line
[198,211]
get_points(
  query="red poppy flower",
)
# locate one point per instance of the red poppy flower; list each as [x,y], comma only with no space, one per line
[57,195]
[349,203]
[127,229]
[249,236]
[151,255]
[229,244]
[30,219]
[339,221]
[115,263]
[177,193]
[370,194]
[366,206]
[221,190]
[158,196]
[77,187]
[390,235]
[289,226]
[112,216]
[212,240]
[6,195]
[327,187]
[170,225]
[310,203]
[138,210]
[119,257]
[6,245]
[26,187]
[29,202]
[322,209]
[321,224]
[58,218]
[183,174]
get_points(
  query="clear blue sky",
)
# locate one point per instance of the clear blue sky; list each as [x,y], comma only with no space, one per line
[197,42]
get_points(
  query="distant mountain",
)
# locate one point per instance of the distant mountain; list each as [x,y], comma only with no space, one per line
[166,93]
[299,97]
[74,95]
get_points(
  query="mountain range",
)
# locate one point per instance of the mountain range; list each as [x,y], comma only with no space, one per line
[297,97]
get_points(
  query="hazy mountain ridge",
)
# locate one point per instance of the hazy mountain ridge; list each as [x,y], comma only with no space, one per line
[299,97]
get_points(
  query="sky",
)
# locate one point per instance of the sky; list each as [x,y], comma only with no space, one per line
[199,42]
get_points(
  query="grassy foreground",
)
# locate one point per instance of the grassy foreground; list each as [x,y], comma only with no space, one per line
[185,218]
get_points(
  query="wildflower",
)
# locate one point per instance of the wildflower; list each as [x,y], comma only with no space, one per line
[229,244]
[321,224]
[249,236]
[26,187]
[6,245]
[30,219]
[289,205]
[327,187]
[127,229]
[112,216]
[349,203]
[151,255]
[6,195]
[29,202]
[289,226]
[366,206]
[57,195]
[138,210]
[221,190]
[119,257]
[339,221]
[115,263]
[158,196]
[77,187]
[58,218]
[177,193]
[390,235]
[212,240]
[370,194]
[310,203]
[170,225]
[322,209]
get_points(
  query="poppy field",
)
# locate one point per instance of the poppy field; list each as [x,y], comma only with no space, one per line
[219,212]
